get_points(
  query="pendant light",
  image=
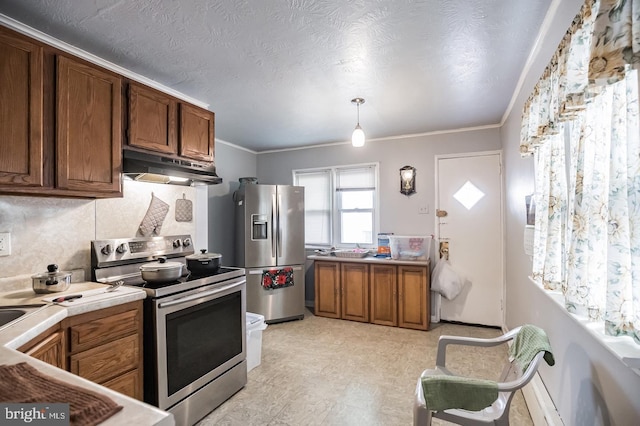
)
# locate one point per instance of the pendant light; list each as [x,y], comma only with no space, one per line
[357,138]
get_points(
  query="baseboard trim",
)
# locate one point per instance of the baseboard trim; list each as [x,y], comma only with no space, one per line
[541,408]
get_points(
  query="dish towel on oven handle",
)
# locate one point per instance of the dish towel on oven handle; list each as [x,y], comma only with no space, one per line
[277,278]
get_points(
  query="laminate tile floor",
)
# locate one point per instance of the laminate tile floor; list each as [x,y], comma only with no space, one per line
[321,371]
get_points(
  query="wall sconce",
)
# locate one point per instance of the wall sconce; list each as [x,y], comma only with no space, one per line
[357,138]
[408,180]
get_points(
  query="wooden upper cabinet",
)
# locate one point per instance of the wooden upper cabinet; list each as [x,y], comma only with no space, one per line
[21,111]
[163,124]
[89,128]
[152,120]
[196,140]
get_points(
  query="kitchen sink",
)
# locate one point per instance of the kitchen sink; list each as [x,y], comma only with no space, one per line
[9,315]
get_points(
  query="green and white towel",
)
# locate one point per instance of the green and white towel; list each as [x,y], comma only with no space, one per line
[528,342]
[446,392]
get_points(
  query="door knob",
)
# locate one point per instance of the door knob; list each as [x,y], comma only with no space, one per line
[441,213]
[444,250]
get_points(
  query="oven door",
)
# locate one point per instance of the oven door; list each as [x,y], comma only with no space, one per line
[200,334]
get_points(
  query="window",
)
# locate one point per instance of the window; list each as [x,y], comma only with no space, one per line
[340,204]
[582,125]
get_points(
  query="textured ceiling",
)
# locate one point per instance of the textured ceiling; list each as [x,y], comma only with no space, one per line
[282,73]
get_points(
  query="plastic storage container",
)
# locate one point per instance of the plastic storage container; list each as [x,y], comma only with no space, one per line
[255,326]
[410,247]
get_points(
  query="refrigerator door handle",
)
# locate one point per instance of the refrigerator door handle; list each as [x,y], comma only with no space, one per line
[274,214]
[279,227]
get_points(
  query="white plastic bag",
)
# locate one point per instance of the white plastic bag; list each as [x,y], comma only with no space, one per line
[446,280]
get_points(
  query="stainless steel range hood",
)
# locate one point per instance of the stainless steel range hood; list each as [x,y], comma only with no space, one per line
[155,168]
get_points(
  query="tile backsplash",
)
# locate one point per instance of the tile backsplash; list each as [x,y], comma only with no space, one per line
[48,230]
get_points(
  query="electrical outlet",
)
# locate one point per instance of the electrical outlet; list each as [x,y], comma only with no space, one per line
[423,210]
[5,243]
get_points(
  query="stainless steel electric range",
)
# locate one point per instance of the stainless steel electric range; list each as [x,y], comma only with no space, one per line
[194,327]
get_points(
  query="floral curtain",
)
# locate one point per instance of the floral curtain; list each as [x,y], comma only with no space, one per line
[550,202]
[587,234]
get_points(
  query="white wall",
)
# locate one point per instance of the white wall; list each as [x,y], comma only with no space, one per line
[588,385]
[398,212]
[232,163]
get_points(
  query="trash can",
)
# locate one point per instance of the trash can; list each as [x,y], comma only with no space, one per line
[255,326]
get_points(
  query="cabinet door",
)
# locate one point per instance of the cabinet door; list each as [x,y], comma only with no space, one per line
[355,291]
[48,347]
[383,293]
[327,283]
[413,297]
[196,133]
[21,112]
[152,120]
[89,128]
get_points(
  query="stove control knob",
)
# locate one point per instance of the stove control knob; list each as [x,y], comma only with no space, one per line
[177,243]
[122,248]
[186,242]
[107,250]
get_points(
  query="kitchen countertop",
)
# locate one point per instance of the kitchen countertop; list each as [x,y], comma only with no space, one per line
[39,319]
[368,259]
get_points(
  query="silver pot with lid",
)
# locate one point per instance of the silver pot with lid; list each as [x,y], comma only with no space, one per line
[52,281]
[161,271]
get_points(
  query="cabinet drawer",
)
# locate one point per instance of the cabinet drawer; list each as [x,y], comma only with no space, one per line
[107,361]
[129,384]
[99,331]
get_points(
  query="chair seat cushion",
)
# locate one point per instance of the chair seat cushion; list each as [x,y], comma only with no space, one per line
[443,392]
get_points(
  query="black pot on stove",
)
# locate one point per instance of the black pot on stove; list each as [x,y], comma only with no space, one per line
[203,263]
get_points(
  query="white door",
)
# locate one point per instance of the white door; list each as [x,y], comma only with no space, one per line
[469,190]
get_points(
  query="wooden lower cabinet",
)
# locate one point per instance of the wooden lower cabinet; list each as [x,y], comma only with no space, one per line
[413,297]
[327,282]
[104,346]
[49,347]
[379,293]
[355,291]
[384,295]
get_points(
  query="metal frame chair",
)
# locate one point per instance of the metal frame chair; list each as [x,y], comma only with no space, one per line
[509,382]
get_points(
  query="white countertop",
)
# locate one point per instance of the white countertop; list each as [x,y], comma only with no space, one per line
[369,259]
[40,319]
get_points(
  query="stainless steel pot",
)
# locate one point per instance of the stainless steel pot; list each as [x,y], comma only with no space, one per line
[203,263]
[161,271]
[52,281]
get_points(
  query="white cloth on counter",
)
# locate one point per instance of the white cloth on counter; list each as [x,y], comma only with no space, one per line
[446,280]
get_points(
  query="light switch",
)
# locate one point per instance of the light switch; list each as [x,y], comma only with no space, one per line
[423,210]
[529,231]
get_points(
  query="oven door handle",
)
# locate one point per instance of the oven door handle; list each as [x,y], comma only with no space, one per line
[197,296]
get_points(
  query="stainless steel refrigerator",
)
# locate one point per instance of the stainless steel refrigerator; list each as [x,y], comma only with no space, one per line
[270,246]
